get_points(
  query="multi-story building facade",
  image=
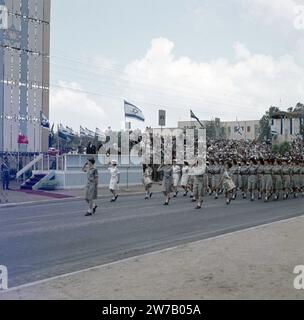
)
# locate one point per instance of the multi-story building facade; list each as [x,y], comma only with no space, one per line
[286,126]
[24,74]
[232,130]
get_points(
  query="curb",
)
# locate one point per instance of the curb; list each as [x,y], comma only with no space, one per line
[49,201]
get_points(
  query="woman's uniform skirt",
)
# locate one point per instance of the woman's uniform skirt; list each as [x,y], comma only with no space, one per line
[91,191]
[277,182]
[228,184]
[167,185]
[198,186]
[268,182]
[286,181]
[215,180]
[147,182]
[252,183]
[176,179]
[185,180]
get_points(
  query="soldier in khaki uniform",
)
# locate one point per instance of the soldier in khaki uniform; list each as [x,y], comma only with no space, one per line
[268,180]
[252,178]
[261,180]
[286,178]
[244,172]
[277,178]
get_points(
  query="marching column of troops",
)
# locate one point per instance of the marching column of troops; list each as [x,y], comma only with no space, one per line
[268,179]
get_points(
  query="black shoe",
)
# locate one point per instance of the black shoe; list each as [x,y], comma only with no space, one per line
[193,200]
[166,203]
[116,198]
[151,194]
[94,209]
[146,197]
[198,207]
[88,214]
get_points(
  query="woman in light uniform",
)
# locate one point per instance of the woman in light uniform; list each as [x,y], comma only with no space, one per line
[92,186]
[176,170]
[216,176]
[286,176]
[244,172]
[268,185]
[252,178]
[167,185]
[227,182]
[114,181]
[261,180]
[277,179]
[199,172]
[185,178]
[235,171]
[148,182]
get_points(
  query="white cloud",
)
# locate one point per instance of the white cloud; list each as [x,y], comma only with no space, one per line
[73,107]
[244,88]
[273,10]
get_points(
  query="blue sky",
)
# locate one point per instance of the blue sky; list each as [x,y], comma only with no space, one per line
[96,43]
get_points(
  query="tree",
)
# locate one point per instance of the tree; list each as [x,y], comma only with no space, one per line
[284,148]
[265,127]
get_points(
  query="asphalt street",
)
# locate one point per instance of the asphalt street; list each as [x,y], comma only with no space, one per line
[42,241]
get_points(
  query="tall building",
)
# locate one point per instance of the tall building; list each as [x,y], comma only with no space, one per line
[24,73]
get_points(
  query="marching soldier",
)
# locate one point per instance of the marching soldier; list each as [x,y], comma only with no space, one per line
[286,178]
[167,186]
[185,178]
[235,170]
[92,186]
[252,178]
[277,178]
[228,184]
[261,180]
[268,184]
[148,182]
[114,180]
[199,171]
[244,172]
[176,169]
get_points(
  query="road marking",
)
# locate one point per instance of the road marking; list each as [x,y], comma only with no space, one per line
[150,254]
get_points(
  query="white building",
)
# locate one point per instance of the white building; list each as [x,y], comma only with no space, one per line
[286,126]
[232,130]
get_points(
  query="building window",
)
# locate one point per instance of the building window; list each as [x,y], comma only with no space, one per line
[272,122]
[248,129]
[235,129]
[282,125]
[291,126]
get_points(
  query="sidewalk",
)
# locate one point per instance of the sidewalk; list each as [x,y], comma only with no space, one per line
[17,196]
[257,263]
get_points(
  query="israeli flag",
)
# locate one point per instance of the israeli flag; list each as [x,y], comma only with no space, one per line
[134,112]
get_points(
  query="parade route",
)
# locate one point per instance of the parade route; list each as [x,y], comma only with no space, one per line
[40,241]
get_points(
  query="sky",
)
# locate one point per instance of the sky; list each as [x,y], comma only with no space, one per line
[225,58]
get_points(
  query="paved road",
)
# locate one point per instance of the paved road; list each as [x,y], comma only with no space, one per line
[42,241]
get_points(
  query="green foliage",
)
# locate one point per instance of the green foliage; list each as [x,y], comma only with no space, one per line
[265,127]
[284,148]
[281,149]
